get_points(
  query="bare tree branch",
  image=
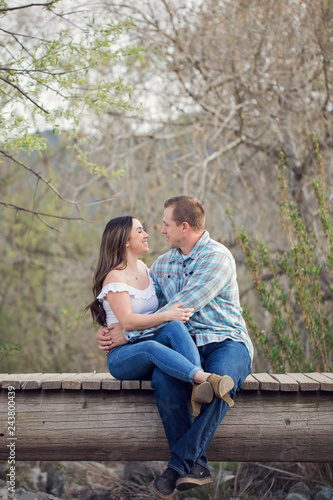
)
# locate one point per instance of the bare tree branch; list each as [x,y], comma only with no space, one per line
[36,213]
[39,176]
[24,94]
[7,9]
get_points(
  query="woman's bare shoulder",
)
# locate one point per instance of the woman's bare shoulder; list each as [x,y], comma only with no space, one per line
[114,276]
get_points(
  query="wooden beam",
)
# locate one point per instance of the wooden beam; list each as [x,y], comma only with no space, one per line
[106,420]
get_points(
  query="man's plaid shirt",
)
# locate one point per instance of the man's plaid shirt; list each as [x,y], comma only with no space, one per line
[205,280]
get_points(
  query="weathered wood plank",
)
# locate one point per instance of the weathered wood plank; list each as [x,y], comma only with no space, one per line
[329,375]
[111,384]
[94,382]
[21,381]
[146,385]
[6,379]
[266,382]
[250,384]
[326,384]
[33,381]
[74,381]
[2,376]
[53,381]
[131,384]
[104,381]
[125,425]
[287,384]
[305,383]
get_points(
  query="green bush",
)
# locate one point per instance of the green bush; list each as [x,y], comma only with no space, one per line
[296,295]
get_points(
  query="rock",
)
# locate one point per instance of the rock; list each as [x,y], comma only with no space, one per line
[324,494]
[295,496]
[279,495]
[100,496]
[39,479]
[141,472]
[300,489]
[3,493]
[21,494]
[2,472]
[86,480]
[55,481]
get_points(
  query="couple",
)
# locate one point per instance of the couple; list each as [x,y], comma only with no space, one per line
[193,284]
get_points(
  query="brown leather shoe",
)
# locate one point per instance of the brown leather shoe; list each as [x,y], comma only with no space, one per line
[201,393]
[221,386]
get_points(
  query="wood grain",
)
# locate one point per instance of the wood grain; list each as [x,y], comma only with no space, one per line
[123,423]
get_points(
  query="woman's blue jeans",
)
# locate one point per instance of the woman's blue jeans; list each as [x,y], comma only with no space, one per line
[172,350]
[189,441]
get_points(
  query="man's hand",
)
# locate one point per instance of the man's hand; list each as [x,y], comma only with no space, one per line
[117,335]
[109,337]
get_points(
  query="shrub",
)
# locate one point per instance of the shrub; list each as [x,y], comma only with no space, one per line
[296,295]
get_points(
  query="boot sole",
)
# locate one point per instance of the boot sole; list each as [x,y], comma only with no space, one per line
[186,483]
[157,494]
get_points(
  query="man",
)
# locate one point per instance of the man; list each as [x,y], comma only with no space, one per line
[200,273]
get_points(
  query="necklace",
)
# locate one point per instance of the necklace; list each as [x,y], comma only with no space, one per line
[136,276]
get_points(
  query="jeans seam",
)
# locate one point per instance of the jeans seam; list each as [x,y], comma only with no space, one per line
[192,373]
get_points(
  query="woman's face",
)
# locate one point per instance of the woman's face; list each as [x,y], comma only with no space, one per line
[138,240]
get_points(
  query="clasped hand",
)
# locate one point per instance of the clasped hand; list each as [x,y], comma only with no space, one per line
[112,336]
[109,337]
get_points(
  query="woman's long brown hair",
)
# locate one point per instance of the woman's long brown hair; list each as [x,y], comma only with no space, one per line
[112,255]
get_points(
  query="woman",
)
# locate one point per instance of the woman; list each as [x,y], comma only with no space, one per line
[125,293]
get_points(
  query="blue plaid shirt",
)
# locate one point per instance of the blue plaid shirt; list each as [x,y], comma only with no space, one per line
[205,280]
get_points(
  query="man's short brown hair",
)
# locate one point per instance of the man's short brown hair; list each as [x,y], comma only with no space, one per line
[187,209]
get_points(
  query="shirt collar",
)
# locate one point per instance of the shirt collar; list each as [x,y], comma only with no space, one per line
[176,255]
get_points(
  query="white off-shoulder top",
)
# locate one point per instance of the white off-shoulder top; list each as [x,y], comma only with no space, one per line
[143,301]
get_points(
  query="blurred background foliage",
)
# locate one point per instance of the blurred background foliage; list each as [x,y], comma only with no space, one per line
[170,97]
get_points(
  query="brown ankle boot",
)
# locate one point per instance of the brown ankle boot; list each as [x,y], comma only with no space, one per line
[221,386]
[201,393]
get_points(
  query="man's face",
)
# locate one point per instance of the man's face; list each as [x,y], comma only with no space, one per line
[174,234]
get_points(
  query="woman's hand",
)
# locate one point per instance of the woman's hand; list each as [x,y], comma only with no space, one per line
[176,313]
[110,337]
[103,338]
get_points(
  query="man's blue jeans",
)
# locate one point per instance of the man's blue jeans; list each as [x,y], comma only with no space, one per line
[172,350]
[189,441]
